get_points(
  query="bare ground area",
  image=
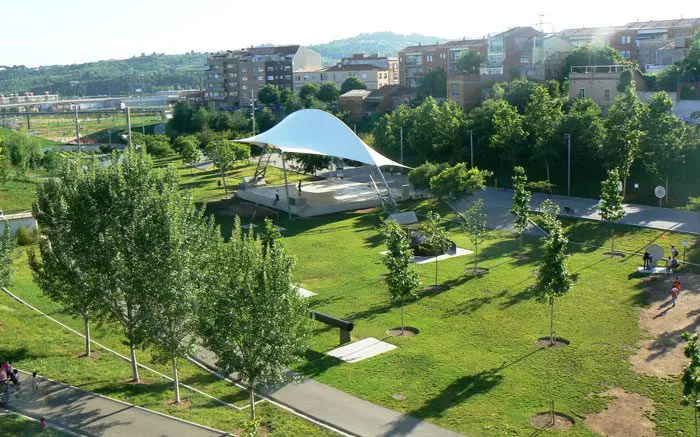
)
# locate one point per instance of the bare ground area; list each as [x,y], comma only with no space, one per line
[662,354]
[625,416]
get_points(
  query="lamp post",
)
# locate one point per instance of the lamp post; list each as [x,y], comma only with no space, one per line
[471,148]
[568,165]
[401,142]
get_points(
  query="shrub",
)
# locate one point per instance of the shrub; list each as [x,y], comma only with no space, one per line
[27,236]
[458,182]
[420,176]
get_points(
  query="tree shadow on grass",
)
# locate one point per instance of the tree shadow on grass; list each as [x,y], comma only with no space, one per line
[317,363]
[15,355]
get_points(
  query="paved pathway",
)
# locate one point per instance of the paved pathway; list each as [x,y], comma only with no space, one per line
[499,202]
[343,411]
[92,415]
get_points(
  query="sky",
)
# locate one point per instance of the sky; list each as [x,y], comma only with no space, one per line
[44,32]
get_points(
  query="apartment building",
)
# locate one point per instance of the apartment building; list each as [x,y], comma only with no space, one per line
[233,78]
[510,53]
[588,35]
[599,83]
[465,89]
[308,75]
[372,76]
[548,55]
[458,48]
[417,61]
[389,63]
[627,39]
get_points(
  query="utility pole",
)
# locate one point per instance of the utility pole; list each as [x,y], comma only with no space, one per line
[568,165]
[128,124]
[471,149]
[401,142]
[77,128]
[543,58]
[252,105]
[143,120]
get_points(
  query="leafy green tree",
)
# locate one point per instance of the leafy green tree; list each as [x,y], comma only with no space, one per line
[308,91]
[585,124]
[610,206]
[7,249]
[181,141]
[183,115]
[553,279]
[71,213]
[591,55]
[352,83]
[52,160]
[189,151]
[434,84]
[521,202]
[200,120]
[328,92]
[158,146]
[269,235]
[387,131]
[269,95]
[402,279]
[508,132]
[181,241]
[435,131]
[470,62]
[24,152]
[264,120]
[623,125]
[691,375]
[225,154]
[518,92]
[252,318]
[543,115]
[475,226]
[665,141]
[292,104]
[458,182]
[435,237]
[308,163]
[420,176]
[285,95]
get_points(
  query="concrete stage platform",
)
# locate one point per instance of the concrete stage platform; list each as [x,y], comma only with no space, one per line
[318,198]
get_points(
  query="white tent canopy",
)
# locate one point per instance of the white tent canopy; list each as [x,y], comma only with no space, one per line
[317,132]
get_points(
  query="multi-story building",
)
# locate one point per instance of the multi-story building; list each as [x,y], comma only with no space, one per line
[465,89]
[627,39]
[372,76]
[417,61]
[389,63]
[234,78]
[600,83]
[548,55]
[588,35]
[457,49]
[510,53]
[308,75]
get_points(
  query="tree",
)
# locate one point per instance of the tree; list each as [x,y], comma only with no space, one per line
[352,83]
[610,206]
[435,237]
[434,84]
[475,225]
[458,182]
[71,213]
[225,154]
[420,176]
[308,163]
[402,279]
[521,202]
[597,54]
[508,132]
[252,318]
[623,125]
[292,104]
[328,92]
[470,62]
[158,145]
[308,91]
[285,95]
[181,240]
[269,235]
[691,375]
[7,248]
[518,92]
[269,95]
[189,150]
[585,124]
[553,279]
[542,117]
[264,120]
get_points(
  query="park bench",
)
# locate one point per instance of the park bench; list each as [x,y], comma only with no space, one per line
[345,327]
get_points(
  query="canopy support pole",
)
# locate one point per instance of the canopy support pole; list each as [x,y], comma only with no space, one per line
[388,191]
[286,186]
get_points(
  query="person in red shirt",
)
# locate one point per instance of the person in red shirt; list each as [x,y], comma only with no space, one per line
[674,296]
[677,284]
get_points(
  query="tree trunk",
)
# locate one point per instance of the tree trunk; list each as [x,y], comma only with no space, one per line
[223,177]
[436,271]
[695,410]
[546,163]
[134,364]
[551,321]
[402,316]
[613,243]
[624,188]
[476,256]
[521,241]
[666,197]
[176,380]
[86,319]
[252,401]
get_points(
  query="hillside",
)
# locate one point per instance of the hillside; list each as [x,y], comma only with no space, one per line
[159,72]
[384,43]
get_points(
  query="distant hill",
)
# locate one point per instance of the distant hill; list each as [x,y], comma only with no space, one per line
[384,43]
[157,72]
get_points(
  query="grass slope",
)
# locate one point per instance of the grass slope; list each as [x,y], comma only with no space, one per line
[13,425]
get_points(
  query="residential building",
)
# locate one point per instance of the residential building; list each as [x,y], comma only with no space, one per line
[389,63]
[27,97]
[388,98]
[308,75]
[372,76]
[457,49]
[657,55]
[599,83]
[234,78]
[509,53]
[588,35]
[465,89]
[417,61]
[628,38]
[353,102]
[548,56]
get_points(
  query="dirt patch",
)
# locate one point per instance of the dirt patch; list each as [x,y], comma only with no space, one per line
[558,342]
[183,405]
[408,331]
[626,415]
[562,422]
[364,211]
[478,271]
[142,381]
[94,355]
[662,354]
[435,289]
[614,255]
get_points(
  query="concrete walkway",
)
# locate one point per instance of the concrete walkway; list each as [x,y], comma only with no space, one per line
[345,412]
[93,415]
[499,202]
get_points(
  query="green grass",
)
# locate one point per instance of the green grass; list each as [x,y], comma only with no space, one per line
[18,195]
[13,425]
[43,141]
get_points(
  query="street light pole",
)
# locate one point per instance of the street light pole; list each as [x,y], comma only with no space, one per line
[568,165]
[471,149]
[128,124]
[401,142]
[77,128]
[252,113]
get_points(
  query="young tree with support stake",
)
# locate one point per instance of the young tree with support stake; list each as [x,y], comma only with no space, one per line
[402,279]
[7,248]
[225,154]
[553,279]
[691,375]
[252,316]
[475,225]
[610,207]
[521,202]
[435,237]
[70,211]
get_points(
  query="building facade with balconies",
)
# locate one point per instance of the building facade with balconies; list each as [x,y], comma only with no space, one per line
[417,61]
[600,83]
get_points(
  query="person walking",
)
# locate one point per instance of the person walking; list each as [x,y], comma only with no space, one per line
[35,381]
[674,252]
[674,296]
[299,187]
[646,259]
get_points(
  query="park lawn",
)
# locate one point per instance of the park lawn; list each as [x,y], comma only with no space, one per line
[18,195]
[13,425]
[32,342]
[474,367]
[44,142]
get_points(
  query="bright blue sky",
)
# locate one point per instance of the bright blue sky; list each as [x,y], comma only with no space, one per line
[42,32]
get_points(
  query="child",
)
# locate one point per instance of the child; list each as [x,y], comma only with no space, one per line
[35,381]
[677,284]
[42,423]
[674,296]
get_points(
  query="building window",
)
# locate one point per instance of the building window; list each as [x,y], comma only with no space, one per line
[628,39]
[261,77]
[260,70]
[244,78]
[270,68]
[429,58]
[244,70]
[622,40]
[442,56]
[581,93]
[524,59]
[270,77]
[244,87]
[607,93]
[364,75]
